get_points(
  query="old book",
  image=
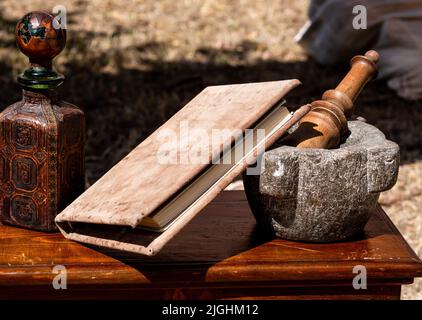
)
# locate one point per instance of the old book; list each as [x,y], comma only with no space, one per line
[216,172]
[149,196]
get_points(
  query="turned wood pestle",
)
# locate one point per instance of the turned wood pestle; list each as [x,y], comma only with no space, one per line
[324,125]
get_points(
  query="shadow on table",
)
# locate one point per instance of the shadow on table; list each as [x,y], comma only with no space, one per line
[198,247]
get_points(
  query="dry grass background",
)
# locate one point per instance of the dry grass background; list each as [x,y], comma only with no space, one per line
[132,64]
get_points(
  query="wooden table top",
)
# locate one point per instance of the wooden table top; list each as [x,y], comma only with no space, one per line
[222,245]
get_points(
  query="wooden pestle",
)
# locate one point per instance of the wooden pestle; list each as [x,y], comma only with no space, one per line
[324,125]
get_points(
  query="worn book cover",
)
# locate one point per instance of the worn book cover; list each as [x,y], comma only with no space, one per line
[150,195]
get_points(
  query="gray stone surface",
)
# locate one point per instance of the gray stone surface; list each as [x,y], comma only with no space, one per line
[320,195]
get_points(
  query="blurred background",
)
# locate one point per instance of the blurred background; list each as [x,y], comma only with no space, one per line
[131,64]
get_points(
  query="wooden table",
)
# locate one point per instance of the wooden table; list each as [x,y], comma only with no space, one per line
[220,254]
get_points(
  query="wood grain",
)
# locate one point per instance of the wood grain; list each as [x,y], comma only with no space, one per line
[221,254]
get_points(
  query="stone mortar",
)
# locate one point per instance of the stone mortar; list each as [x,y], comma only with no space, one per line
[320,195]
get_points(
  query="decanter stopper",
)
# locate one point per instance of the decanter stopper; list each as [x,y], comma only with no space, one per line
[37,38]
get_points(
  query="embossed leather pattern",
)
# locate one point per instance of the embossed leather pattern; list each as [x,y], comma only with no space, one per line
[41,160]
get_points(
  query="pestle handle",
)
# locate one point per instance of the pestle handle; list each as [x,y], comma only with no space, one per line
[324,125]
[363,69]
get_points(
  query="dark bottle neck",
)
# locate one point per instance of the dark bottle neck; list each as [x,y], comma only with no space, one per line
[36,97]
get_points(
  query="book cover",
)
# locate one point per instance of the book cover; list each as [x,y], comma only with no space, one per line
[111,211]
